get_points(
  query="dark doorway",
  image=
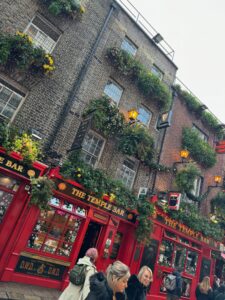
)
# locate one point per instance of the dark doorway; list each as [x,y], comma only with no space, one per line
[91,238]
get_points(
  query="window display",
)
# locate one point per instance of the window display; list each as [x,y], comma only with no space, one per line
[191,263]
[8,187]
[56,229]
[166,253]
[179,257]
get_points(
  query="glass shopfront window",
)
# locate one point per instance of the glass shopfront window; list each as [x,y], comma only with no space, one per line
[8,188]
[191,263]
[56,229]
[179,257]
[166,253]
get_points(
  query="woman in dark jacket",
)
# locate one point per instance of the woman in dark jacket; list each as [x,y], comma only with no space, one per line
[204,290]
[221,293]
[138,285]
[112,286]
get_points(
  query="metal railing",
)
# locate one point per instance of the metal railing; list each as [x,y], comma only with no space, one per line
[145,26]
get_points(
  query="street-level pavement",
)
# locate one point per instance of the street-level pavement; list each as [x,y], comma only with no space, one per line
[20,291]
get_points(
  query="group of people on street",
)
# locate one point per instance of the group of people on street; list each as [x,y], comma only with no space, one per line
[115,284]
[118,284]
[205,292]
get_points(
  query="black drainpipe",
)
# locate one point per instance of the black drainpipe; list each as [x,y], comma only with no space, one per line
[68,105]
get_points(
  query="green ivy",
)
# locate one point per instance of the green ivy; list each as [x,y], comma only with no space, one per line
[96,181]
[218,207]
[106,117]
[148,84]
[200,150]
[18,52]
[194,105]
[189,215]
[136,141]
[41,192]
[133,140]
[185,178]
[68,7]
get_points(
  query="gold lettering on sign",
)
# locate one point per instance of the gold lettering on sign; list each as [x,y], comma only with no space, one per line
[14,166]
[78,193]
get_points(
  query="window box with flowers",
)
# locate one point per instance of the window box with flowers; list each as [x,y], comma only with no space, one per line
[66,7]
[199,149]
[20,145]
[20,59]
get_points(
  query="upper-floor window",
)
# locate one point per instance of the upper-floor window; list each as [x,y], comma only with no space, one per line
[92,147]
[144,115]
[157,72]
[128,46]
[197,186]
[126,173]
[9,101]
[201,134]
[43,33]
[113,91]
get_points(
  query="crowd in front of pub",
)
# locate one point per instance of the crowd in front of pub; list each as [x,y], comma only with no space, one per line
[118,284]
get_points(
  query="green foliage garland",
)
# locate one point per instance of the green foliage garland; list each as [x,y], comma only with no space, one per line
[148,84]
[68,7]
[106,117]
[194,105]
[41,191]
[189,215]
[14,140]
[18,52]
[96,181]
[200,150]
[135,140]
[185,178]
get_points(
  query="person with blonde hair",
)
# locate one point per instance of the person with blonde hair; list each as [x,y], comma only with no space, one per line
[138,284]
[111,286]
[80,292]
[204,290]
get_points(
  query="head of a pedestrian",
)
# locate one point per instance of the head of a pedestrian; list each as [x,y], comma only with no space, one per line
[93,254]
[117,275]
[145,276]
[204,286]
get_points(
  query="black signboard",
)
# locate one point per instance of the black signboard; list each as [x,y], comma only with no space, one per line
[41,268]
[73,191]
[17,166]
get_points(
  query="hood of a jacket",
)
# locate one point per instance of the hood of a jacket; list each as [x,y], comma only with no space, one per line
[85,261]
[99,286]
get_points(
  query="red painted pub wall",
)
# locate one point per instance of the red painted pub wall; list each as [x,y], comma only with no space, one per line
[40,247]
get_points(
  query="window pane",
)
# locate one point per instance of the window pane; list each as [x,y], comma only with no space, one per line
[128,46]
[40,39]
[179,257]
[55,231]
[5,201]
[157,72]
[9,101]
[91,148]
[15,100]
[9,183]
[144,115]
[8,112]
[166,253]
[113,91]
[5,95]
[126,175]
[200,133]
[191,264]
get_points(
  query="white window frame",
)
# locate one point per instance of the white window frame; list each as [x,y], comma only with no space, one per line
[40,31]
[16,109]
[148,111]
[123,171]
[128,46]
[114,100]
[197,186]
[86,151]
[201,134]
[142,191]
[157,72]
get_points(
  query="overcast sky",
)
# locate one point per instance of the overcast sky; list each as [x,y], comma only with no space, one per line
[195,29]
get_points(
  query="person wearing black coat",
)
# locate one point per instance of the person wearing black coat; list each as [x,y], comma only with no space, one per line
[138,285]
[221,293]
[204,290]
[111,286]
[176,293]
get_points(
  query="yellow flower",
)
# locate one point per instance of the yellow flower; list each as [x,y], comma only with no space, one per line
[30,40]
[46,67]
[82,9]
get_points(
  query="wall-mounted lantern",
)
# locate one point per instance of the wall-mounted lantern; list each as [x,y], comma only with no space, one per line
[132,114]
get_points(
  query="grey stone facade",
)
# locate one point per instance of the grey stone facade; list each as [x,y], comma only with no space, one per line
[54,105]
